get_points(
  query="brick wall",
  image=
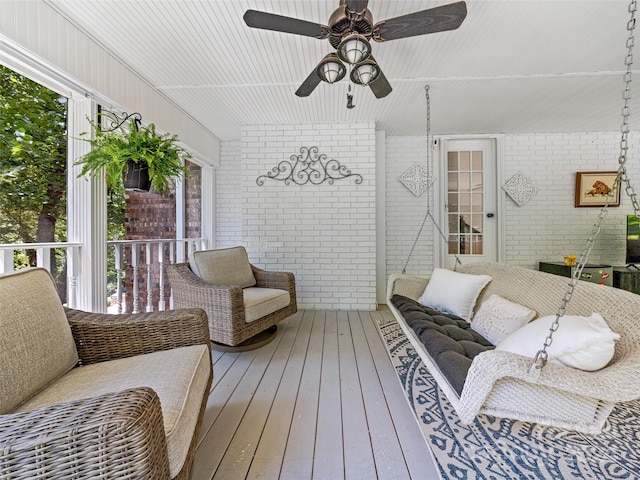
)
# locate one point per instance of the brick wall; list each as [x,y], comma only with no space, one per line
[147,215]
[405,212]
[192,201]
[549,226]
[229,196]
[325,233]
[151,215]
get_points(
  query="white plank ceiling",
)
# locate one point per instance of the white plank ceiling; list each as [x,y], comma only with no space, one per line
[513,66]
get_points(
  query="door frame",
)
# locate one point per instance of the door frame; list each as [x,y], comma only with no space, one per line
[440,187]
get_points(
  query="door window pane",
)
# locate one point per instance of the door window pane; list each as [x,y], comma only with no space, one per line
[465,202]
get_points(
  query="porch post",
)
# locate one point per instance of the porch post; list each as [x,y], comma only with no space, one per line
[86,216]
[208,206]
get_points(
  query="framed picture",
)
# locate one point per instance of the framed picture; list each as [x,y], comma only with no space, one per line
[593,188]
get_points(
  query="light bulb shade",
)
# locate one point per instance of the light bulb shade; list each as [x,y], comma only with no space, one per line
[354,49]
[364,73]
[331,69]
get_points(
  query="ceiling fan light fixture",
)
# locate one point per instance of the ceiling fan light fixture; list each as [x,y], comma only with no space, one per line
[331,69]
[354,48]
[365,72]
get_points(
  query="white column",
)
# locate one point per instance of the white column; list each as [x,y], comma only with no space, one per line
[86,216]
[208,206]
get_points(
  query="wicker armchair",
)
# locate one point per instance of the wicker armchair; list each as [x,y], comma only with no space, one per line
[119,433]
[234,293]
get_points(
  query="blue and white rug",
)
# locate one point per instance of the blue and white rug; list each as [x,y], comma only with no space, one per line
[496,448]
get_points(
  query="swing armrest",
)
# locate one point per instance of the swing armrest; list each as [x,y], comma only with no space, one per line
[411,286]
[611,383]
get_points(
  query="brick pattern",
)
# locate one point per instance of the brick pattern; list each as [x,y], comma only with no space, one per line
[404,211]
[325,233]
[151,215]
[147,215]
[228,180]
[309,232]
[549,226]
[192,201]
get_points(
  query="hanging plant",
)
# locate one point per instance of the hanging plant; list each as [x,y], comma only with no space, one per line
[120,153]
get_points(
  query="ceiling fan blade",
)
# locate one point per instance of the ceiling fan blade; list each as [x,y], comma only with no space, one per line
[309,85]
[380,86]
[356,5]
[438,19]
[279,23]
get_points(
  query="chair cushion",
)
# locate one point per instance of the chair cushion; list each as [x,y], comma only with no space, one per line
[179,377]
[36,345]
[259,302]
[227,266]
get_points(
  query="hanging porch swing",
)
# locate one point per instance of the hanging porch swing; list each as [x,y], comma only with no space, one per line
[477,378]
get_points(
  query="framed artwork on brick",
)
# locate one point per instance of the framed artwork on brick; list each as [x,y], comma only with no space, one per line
[593,189]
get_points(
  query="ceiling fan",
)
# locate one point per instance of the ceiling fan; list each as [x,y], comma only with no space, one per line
[349,31]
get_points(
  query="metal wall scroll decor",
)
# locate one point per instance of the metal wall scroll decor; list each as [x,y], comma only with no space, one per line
[309,167]
[110,121]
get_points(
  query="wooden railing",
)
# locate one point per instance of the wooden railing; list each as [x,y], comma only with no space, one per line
[8,252]
[135,260]
[140,258]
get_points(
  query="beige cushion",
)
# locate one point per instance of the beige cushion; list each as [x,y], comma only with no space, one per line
[259,302]
[178,376]
[227,266]
[36,345]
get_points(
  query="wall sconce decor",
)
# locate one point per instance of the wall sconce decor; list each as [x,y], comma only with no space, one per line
[309,167]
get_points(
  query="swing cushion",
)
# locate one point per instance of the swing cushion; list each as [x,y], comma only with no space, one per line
[585,343]
[453,292]
[449,339]
[497,318]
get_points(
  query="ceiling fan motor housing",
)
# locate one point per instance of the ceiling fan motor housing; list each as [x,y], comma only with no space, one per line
[342,23]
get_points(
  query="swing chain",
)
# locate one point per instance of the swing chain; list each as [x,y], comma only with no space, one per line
[542,356]
[430,181]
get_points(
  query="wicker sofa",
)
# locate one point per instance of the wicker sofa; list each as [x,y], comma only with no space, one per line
[98,396]
[502,383]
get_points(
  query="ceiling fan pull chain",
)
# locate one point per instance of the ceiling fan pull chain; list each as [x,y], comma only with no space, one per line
[542,356]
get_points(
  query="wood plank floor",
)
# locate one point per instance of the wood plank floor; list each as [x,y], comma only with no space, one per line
[322,401]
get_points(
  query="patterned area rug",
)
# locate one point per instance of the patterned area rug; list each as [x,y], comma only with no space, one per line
[498,448]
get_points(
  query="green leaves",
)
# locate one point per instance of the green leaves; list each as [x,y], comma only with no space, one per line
[112,150]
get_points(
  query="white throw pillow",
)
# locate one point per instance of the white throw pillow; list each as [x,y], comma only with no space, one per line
[585,343]
[497,317]
[453,292]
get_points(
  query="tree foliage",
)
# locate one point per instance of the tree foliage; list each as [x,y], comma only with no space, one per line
[33,163]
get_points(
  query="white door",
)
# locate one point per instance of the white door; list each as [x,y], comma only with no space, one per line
[470,201]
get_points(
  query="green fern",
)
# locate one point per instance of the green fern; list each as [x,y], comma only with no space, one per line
[111,151]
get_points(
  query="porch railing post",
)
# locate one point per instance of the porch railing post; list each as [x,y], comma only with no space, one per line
[149,265]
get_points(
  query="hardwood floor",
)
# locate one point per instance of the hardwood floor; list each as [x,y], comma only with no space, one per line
[322,401]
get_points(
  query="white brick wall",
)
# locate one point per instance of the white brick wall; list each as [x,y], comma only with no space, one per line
[228,196]
[324,234]
[405,211]
[549,226]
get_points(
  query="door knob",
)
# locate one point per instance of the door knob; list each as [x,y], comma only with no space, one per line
[489,215]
